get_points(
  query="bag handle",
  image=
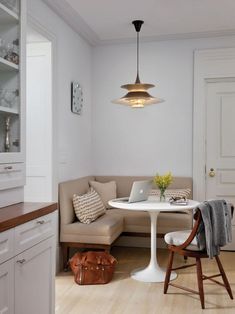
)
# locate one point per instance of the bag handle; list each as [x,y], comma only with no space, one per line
[83,259]
[102,258]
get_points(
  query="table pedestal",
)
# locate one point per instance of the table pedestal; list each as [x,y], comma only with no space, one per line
[153,272]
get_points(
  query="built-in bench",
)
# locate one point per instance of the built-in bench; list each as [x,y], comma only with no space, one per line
[102,233]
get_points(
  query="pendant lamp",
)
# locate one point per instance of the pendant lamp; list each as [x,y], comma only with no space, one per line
[137,95]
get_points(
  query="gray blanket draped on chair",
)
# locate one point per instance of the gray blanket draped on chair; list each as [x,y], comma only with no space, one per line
[215,229]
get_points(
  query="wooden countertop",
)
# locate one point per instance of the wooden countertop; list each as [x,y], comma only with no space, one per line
[17,214]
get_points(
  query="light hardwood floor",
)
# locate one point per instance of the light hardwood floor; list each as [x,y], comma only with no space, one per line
[123,295]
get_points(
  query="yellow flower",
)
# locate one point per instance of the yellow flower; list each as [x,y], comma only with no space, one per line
[163,181]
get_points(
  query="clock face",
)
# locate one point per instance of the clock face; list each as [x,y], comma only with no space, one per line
[77,98]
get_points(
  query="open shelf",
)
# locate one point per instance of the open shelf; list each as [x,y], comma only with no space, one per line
[8,66]
[8,110]
[12,79]
[8,16]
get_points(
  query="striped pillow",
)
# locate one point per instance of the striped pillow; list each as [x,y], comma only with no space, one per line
[88,207]
[172,192]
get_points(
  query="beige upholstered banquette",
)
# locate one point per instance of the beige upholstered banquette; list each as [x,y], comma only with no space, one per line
[106,229]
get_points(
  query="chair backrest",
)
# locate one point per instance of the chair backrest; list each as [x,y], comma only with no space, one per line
[198,218]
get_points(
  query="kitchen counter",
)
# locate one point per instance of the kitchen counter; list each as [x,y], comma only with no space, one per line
[17,214]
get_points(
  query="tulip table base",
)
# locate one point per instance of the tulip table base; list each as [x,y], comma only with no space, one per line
[153,272]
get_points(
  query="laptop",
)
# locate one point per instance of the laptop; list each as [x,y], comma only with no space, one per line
[139,192]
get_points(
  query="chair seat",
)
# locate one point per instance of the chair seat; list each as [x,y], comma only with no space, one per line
[179,237]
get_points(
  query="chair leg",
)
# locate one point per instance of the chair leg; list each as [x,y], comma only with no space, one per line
[168,271]
[200,281]
[224,277]
[107,250]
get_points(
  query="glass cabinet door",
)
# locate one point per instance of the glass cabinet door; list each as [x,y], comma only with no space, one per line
[10,128]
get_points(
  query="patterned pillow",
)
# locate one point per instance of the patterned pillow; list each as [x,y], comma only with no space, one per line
[172,192]
[88,207]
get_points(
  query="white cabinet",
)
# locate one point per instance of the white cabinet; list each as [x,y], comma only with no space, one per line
[27,267]
[6,245]
[11,175]
[33,279]
[33,232]
[12,80]
[7,287]
[12,99]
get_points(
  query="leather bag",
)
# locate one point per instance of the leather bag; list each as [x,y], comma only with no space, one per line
[92,268]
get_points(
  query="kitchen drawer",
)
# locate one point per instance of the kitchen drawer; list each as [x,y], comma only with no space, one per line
[6,245]
[34,231]
[12,175]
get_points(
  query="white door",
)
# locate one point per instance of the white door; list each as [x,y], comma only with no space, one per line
[34,277]
[7,287]
[220,143]
[220,140]
[38,123]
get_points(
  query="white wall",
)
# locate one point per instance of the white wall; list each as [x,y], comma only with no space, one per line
[129,141]
[73,62]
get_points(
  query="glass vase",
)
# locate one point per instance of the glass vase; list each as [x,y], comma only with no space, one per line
[162,195]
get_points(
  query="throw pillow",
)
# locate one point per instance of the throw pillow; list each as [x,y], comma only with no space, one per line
[107,191]
[88,207]
[172,192]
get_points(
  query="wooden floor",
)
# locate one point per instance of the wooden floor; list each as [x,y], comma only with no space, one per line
[123,295]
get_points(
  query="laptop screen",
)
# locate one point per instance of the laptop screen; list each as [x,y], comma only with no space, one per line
[140,191]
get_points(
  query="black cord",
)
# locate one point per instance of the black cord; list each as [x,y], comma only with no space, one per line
[137,77]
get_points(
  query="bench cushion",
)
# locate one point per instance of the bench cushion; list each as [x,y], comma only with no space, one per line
[139,221]
[104,230]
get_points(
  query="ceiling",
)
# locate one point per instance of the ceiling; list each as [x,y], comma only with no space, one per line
[109,21]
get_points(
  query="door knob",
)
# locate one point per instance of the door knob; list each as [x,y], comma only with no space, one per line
[212,172]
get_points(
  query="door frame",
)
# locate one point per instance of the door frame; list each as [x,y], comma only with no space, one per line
[36,25]
[209,64]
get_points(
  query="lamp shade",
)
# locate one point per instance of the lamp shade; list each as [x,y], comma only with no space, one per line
[137,95]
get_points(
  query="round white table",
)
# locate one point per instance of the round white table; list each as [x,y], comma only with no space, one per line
[153,272]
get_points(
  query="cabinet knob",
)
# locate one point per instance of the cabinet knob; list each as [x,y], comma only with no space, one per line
[21,261]
[40,222]
[8,168]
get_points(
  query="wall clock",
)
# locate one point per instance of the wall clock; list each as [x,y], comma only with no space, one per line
[76,98]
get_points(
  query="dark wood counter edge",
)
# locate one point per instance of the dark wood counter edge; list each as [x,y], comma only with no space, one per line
[17,214]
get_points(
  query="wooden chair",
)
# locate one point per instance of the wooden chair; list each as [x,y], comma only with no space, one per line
[189,249]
